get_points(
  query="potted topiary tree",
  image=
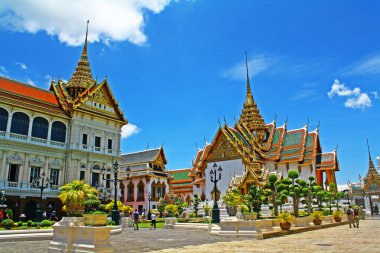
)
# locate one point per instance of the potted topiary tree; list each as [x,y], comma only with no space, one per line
[94,212]
[337,214]
[73,194]
[232,199]
[285,219]
[317,217]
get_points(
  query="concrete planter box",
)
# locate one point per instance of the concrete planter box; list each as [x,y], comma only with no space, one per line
[249,216]
[264,225]
[95,219]
[302,221]
[126,222]
[70,235]
[170,222]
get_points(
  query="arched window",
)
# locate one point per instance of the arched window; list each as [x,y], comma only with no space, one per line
[20,123]
[130,192]
[58,131]
[3,119]
[40,128]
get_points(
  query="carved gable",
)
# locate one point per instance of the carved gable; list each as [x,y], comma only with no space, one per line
[223,150]
[101,96]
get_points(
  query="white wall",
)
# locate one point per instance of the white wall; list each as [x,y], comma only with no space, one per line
[230,168]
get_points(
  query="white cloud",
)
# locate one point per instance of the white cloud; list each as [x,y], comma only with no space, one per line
[22,65]
[3,71]
[360,101]
[30,81]
[129,130]
[375,94]
[355,98]
[256,64]
[369,65]
[116,20]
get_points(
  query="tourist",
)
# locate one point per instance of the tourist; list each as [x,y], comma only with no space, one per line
[153,217]
[1,215]
[136,220]
[53,217]
[143,215]
[6,214]
[356,217]
[44,215]
[350,216]
[376,210]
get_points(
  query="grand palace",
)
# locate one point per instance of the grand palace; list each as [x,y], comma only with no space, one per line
[73,131]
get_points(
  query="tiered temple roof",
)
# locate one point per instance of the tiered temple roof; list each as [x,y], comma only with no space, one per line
[181,182]
[372,179]
[256,142]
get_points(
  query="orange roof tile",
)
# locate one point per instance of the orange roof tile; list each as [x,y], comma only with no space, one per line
[28,91]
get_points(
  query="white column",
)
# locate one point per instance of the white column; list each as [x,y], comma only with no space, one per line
[49,131]
[9,124]
[24,171]
[105,143]
[4,166]
[30,128]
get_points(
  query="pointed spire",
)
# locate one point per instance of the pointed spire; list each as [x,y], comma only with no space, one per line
[250,114]
[84,53]
[82,76]
[249,97]
[371,168]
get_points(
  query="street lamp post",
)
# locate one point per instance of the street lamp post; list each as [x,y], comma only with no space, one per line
[115,211]
[216,176]
[2,199]
[44,184]
[149,214]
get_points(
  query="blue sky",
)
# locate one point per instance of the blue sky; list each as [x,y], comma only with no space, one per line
[177,66]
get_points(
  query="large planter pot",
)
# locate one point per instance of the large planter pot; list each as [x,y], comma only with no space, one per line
[95,219]
[170,222]
[337,219]
[249,216]
[317,221]
[285,226]
[231,210]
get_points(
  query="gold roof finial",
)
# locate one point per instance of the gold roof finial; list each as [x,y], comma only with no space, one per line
[250,114]
[82,76]
[371,167]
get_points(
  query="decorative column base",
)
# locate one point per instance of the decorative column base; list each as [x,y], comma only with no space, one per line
[70,235]
[215,215]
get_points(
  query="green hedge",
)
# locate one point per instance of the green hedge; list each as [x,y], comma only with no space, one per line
[7,223]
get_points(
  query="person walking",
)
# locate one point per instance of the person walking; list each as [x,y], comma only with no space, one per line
[356,217]
[376,210]
[1,215]
[350,216]
[53,217]
[153,217]
[136,220]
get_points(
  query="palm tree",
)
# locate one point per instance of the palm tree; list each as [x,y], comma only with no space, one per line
[73,194]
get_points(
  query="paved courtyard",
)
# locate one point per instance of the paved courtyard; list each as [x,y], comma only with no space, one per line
[335,239]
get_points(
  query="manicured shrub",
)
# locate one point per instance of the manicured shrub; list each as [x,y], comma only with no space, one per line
[24,224]
[34,224]
[29,223]
[192,215]
[7,223]
[110,223]
[45,223]
[19,223]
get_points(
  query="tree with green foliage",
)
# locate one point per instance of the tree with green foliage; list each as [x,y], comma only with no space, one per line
[171,209]
[161,209]
[254,199]
[295,190]
[196,203]
[309,195]
[272,191]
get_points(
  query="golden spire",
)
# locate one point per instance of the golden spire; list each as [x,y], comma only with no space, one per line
[82,76]
[250,114]
[371,167]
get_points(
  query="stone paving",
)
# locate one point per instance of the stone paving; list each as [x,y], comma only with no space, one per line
[335,239]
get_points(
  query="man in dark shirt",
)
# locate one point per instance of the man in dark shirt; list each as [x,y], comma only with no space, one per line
[136,220]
